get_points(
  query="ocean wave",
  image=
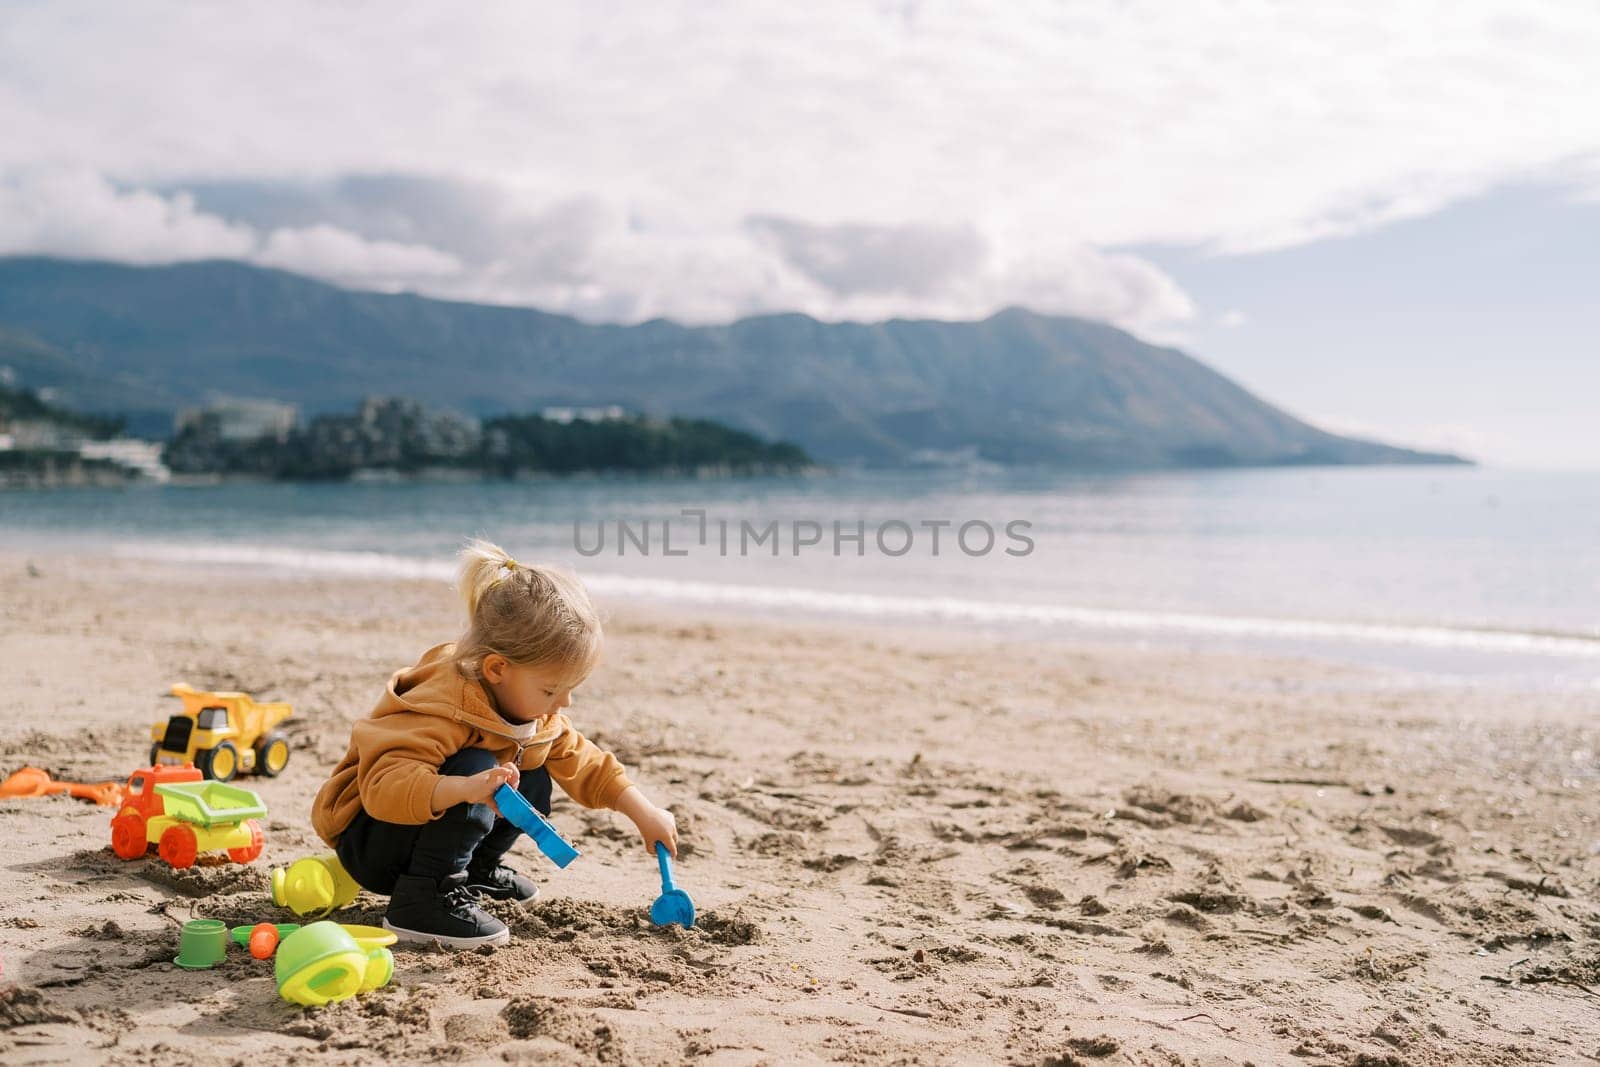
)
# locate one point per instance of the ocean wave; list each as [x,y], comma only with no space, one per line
[880,605]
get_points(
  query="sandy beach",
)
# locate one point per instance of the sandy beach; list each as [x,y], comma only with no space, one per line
[905,846]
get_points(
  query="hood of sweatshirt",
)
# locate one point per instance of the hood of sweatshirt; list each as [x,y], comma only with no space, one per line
[435,686]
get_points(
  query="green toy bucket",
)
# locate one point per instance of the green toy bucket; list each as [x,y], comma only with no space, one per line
[202,943]
[322,963]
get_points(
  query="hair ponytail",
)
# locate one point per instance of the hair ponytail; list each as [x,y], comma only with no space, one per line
[529,614]
[482,564]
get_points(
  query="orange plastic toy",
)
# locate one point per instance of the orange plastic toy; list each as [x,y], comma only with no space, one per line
[263,941]
[36,782]
[184,814]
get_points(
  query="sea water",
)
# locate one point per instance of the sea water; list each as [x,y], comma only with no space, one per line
[1450,574]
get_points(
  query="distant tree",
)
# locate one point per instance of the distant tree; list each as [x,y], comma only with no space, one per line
[395,434]
[637,443]
[25,404]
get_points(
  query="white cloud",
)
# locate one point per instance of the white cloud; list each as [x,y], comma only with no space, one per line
[633,149]
[82,214]
[1232,319]
[874,259]
[79,213]
[584,256]
[330,252]
[855,271]
[877,272]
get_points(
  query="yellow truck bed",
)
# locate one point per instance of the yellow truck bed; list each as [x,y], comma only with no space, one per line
[194,699]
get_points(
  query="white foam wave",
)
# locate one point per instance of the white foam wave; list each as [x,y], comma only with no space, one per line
[872,605]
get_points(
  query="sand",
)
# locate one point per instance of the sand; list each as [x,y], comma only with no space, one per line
[906,846]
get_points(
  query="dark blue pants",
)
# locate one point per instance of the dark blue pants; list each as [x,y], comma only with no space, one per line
[377,852]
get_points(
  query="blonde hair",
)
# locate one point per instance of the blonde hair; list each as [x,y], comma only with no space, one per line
[533,615]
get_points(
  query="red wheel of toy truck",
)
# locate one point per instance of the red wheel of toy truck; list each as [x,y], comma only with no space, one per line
[179,847]
[127,834]
[246,853]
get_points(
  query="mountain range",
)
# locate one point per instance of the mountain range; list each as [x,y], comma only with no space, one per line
[1015,388]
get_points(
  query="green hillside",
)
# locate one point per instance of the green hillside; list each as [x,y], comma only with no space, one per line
[1015,388]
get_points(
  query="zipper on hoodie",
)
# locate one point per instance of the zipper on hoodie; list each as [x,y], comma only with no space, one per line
[522,746]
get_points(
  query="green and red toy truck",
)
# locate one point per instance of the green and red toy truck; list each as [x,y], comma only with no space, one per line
[184,814]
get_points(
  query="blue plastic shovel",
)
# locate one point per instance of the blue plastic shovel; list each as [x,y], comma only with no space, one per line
[673,905]
[519,813]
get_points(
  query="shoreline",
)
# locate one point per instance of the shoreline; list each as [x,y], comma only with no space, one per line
[1533,661]
[905,844]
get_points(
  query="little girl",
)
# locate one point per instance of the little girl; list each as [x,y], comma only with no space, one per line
[410,808]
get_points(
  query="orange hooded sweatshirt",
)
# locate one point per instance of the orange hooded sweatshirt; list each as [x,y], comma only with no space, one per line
[430,712]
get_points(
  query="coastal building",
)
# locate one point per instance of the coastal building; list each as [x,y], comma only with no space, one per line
[44,435]
[565,415]
[141,457]
[242,420]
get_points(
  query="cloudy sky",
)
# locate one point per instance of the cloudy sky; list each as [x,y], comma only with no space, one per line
[1376,217]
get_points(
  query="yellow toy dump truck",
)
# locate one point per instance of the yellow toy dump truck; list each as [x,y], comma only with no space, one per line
[223,734]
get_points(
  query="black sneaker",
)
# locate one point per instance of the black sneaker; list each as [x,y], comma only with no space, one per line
[442,913]
[501,883]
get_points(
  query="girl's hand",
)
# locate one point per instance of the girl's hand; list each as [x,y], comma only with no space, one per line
[658,824]
[492,779]
[479,788]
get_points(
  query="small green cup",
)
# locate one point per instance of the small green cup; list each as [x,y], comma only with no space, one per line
[203,943]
